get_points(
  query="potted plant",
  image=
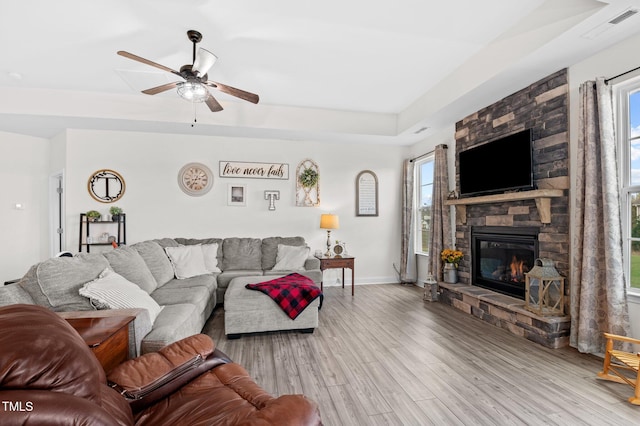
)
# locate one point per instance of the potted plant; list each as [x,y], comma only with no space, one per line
[93,215]
[115,213]
[308,178]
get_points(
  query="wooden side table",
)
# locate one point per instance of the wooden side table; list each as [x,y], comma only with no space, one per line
[339,262]
[107,336]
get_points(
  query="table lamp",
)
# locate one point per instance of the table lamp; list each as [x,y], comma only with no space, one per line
[329,222]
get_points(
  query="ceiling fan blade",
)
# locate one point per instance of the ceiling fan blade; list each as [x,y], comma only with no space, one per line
[212,103]
[160,89]
[204,61]
[242,94]
[146,61]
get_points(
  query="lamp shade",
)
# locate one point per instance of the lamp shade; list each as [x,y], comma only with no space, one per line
[329,221]
[204,61]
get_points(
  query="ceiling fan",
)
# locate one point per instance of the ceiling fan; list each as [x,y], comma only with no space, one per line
[194,87]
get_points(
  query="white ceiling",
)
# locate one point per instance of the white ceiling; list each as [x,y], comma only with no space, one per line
[374,71]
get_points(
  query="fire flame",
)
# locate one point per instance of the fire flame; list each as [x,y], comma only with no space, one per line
[517,269]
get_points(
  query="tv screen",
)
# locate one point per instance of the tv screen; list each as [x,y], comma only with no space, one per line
[499,165]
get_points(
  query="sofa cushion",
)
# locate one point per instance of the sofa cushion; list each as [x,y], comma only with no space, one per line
[175,322]
[167,242]
[241,253]
[157,261]
[127,262]
[187,261]
[112,291]
[29,282]
[270,249]
[197,296]
[194,241]
[14,293]
[60,278]
[291,258]
[208,281]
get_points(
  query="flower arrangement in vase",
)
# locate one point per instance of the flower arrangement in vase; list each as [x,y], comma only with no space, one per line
[451,256]
[451,259]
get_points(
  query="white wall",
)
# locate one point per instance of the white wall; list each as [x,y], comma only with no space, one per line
[24,174]
[156,207]
[613,61]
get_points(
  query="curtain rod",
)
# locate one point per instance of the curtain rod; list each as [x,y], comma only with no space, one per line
[425,154]
[607,80]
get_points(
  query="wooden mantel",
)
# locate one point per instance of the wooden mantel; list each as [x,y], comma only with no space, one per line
[542,197]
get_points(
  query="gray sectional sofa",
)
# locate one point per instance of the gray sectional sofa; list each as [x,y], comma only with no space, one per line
[186,302]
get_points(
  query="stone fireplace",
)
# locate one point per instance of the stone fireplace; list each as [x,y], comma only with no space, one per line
[501,235]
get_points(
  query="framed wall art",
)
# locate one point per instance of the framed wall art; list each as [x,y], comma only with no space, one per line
[237,195]
[366,194]
[307,184]
[245,169]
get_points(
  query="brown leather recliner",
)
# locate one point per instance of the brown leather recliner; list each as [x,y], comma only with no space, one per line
[48,375]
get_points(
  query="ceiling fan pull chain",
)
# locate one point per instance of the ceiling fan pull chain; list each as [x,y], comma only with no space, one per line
[195,114]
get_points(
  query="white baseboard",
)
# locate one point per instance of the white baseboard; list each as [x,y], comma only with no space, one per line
[365,281]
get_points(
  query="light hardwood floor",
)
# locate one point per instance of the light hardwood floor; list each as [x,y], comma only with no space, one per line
[385,357]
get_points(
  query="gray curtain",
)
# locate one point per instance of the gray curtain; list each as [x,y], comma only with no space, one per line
[440,214]
[598,287]
[407,220]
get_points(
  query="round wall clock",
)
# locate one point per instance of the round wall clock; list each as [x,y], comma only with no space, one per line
[195,179]
[106,186]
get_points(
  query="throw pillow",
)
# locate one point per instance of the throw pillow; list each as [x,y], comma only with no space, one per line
[210,253]
[187,261]
[291,258]
[113,291]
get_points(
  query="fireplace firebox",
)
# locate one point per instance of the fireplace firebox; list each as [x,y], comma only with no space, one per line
[500,257]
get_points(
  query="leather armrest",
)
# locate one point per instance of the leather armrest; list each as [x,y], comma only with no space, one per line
[41,407]
[149,378]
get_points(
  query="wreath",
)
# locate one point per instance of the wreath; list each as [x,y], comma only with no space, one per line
[308,178]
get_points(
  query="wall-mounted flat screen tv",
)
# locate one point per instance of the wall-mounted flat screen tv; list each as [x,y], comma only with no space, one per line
[503,164]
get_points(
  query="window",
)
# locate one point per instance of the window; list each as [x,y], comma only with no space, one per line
[423,204]
[628,134]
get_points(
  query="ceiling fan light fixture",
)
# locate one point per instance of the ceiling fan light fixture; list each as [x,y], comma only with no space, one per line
[192,91]
[195,88]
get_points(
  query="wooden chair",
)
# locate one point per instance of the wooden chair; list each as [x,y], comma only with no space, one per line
[622,362]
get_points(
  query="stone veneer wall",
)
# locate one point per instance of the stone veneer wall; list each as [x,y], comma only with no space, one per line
[543,107]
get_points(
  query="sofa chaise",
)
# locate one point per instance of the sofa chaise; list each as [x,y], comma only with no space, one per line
[179,281]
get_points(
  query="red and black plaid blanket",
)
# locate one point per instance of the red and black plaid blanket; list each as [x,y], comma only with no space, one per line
[292,293]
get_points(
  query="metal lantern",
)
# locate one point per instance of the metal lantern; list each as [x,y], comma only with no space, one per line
[544,289]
